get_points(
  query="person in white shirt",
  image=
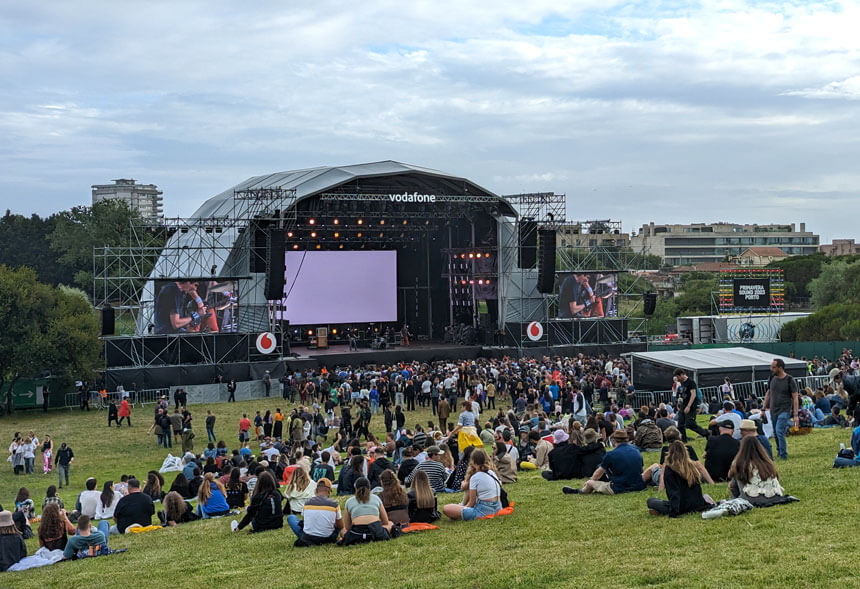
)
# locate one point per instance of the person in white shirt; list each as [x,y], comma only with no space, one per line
[89,499]
[107,501]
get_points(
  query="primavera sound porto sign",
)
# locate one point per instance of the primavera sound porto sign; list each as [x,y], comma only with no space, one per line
[414,197]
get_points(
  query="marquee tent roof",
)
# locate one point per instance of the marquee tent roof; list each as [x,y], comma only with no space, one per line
[716,359]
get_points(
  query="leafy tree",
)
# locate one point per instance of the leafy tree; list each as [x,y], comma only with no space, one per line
[45,329]
[833,284]
[831,323]
[24,242]
[799,271]
[81,229]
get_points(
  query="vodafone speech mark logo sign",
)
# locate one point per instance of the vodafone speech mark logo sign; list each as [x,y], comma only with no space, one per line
[266,342]
[534,331]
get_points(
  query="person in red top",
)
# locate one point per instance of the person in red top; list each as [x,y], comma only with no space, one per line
[244,426]
[124,413]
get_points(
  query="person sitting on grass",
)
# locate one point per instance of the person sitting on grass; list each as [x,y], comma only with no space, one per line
[394,499]
[681,479]
[623,466]
[434,469]
[651,475]
[136,508]
[349,474]
[12,547]
[753,476]
[591,453]
[176,510]
[54,528]
[835,419]
[720,451]
[564,461]
[321,519]
[52,497]
[749,429]
[422,505]
[299,490]
[483,492]
[265,512]
[86,537]
[504,464]
[237,490]
[211,498]
[364,518]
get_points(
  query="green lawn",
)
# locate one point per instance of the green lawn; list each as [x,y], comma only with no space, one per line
[551,538]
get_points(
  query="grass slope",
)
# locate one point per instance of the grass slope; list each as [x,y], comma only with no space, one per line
[551,538]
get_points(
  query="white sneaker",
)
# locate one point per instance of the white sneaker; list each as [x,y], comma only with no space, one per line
[234,525]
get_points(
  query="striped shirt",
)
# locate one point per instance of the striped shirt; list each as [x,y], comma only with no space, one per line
[435,472]
[320,514]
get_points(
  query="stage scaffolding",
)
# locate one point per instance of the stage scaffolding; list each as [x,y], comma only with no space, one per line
[221,245]
[520,301]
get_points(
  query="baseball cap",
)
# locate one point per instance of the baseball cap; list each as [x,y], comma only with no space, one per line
[726,423]
[325,483]
[434,451]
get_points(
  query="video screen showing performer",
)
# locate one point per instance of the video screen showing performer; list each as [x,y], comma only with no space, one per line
[587,294]
[195,306]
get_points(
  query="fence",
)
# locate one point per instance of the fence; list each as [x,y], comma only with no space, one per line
[742,390]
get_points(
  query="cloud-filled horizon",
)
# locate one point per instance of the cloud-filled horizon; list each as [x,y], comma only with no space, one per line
[718,110]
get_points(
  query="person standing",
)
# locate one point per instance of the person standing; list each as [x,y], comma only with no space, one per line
[244,428]
[444,412]
[210,427]
[124,413]
[688,405]
[231,388]
[783,400]
[63,460]
[267,383]
[47,454]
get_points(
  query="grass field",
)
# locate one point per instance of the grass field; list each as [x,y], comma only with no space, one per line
[551,538]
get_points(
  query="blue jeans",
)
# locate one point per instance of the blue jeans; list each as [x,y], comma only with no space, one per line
[295,525]
[481,509]
[780,430]
[211,435]
[374,406]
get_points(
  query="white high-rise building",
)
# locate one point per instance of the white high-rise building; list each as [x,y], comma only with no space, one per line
[143,198]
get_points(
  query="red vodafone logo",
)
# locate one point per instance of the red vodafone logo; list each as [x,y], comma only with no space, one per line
[266,342]
[534,331]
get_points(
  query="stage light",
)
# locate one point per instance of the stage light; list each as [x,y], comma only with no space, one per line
[360,222]
[380,234]
[313,233]
[487,281]
[404,221]
[382,221]
[463,282]
[486,255]
[310,332]
[427,222]
[336,221]
[312,222]
[295,246]
[480,281]
[359,234]
[478,255]
[336,234]
[340,247]
[463,256]
[289,233]
[471,255]
[334,331]
[318,246]
[471,282]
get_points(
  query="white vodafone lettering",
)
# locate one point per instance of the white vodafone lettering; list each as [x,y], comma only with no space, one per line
[414,197]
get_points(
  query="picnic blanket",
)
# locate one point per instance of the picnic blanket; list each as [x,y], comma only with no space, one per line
[42,557]
[141,529]
[418,527]
[171,464]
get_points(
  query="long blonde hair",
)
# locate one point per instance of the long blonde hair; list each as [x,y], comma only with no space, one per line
[205,491]
[679,461]
[299,480]
[447,459]
[424,497]
[479,462]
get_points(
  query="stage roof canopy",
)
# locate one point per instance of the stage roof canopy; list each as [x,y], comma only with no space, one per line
[312,181]
[653,370]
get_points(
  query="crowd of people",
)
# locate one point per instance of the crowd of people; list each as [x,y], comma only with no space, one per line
[493,419]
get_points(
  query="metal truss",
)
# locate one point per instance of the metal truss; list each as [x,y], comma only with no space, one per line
[547,208]
[220,246]
[460,198]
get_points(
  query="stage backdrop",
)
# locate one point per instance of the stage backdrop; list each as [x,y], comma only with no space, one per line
[325,287]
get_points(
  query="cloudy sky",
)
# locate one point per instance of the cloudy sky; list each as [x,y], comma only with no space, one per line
[668,111]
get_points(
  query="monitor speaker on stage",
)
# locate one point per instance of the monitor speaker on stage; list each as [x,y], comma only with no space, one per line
[528,244]
[108,320]
[275,265]
[649,301]
[546,261]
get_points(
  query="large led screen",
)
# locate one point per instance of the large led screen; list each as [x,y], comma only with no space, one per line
[195,305]
[587,294]
[328,287]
